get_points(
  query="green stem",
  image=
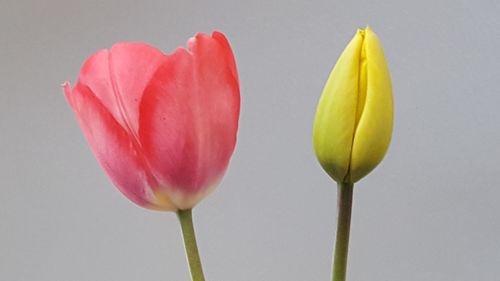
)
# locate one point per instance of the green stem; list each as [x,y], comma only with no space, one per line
[344,202]
[193,257]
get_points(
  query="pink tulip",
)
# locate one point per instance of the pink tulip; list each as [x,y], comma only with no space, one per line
[163,127]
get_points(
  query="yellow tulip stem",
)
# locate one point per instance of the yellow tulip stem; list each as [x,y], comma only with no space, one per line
[188,234]
[344,203]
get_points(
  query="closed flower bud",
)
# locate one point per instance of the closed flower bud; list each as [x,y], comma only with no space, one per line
[354,117]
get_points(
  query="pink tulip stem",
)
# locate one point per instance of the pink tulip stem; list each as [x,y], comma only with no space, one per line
[188,234]
[344,203]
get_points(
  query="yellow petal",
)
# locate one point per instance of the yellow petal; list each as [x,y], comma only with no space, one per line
[374,130]
[335,119]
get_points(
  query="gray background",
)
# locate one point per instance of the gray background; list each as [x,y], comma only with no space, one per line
[430,211]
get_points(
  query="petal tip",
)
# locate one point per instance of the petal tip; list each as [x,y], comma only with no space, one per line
[217,33]
[190,44]
[369,31]
[220,37]
[66,88]
[192,41]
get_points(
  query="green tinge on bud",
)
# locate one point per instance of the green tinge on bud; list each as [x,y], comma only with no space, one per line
[354,118]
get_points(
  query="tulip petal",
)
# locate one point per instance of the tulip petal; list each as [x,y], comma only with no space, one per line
[227,53]
[118,78]
[374,130]
[114,149]
[336,115]
[189,118]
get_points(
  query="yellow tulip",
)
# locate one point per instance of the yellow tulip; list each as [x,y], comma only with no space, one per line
[354,118]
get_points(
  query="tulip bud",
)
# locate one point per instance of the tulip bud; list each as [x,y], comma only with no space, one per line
[163,127]
[354,117]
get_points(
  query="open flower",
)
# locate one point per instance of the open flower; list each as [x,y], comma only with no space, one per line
[163,127]
[354,118]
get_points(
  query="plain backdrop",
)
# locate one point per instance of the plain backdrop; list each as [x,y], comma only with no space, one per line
[430,211]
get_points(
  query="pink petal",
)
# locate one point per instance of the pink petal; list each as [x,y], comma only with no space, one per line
[118,78]
[113,147]
[228,53]
[189,115]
